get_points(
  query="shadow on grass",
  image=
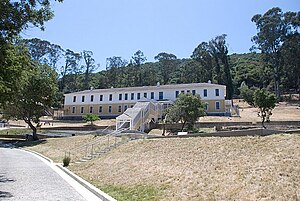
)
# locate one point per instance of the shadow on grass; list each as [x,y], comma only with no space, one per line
[10,143]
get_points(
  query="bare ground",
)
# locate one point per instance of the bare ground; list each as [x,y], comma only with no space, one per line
[236,168]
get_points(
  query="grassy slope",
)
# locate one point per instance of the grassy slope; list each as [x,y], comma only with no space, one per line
[236,168]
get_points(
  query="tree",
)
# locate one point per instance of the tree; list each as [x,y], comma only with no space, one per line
[186,109]
[214,59]
[16,16]
[273,28]
[71,67]
[89,67]
[203,55]
[91,118]
[291,62]
[115,72]
[265,102]
[247,94]
[219,51]
[167,65]
[44,51]
[37,95]
[137,60]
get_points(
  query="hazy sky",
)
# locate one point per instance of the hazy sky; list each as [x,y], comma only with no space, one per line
[121,27]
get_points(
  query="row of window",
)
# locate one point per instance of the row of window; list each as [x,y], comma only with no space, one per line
[100,109]
[145,95]
[132,96]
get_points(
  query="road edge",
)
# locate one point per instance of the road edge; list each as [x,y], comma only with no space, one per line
[93,189]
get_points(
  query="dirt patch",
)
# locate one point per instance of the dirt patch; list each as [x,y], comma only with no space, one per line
[237,168]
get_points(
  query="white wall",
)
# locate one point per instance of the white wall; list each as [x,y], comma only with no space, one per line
[168,94]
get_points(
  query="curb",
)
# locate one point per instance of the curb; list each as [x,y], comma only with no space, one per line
[87,185]
[100,194]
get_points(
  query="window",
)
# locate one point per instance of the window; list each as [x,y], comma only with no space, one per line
[125,107]
[73,109]
[188,91]
[182,91]
[205,93]
[100,109]
[81,110]
[138,96]
[194,92]
[176,94]
[101,97]
[120,96]
[74,99]
[120,108]
[92,98]
[110,97]
[152,95]
[145,95]
[91,109]
[82,98]
[217,105]
[131,106]
[132,96]
[109,109]
[126,96]
[217,92]
[161,95]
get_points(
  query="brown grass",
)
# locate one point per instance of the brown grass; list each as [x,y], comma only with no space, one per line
[236,168]
[282,112]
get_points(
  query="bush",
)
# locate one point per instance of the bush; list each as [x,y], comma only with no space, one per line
[66,161]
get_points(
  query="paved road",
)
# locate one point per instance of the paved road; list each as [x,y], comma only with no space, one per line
[25,177]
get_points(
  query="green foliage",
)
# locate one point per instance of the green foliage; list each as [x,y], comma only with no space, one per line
[66,161]
[186,109]
[91,118]
[265,102]
[36,96]
[247,94]
[134,193]
[274,27]
[18,15]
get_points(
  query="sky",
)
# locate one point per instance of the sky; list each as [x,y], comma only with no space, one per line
[121,27]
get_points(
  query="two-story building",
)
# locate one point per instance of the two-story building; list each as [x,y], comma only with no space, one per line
[110,103]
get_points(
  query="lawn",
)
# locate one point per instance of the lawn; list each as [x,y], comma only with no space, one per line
[202,168]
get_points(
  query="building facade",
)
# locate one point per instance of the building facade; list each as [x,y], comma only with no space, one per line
[112,102]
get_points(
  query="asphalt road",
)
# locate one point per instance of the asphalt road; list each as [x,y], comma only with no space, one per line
[25,177]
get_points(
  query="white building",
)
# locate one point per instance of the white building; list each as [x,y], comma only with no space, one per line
[112,102]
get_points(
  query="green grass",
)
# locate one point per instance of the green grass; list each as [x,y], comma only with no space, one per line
[15,131]
[133,193]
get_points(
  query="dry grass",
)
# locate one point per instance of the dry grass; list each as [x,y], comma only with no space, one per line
[282,112]
[55,148]
[237,168]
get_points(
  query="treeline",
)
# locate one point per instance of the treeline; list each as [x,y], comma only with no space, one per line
[275,68]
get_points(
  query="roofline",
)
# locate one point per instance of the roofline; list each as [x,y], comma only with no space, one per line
[147,88]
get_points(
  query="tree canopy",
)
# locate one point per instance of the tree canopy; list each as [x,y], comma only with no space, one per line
[186,109]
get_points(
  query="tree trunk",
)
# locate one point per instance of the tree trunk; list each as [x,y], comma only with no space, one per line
[183,124]
[33,128]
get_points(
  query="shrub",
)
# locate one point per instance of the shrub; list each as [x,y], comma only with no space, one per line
[66,161]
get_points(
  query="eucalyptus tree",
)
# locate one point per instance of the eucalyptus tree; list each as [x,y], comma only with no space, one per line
[89,67]
[202,54]
[137,60]
[71,69]
[273,28]
[44,51]
[167,65]
[115,70]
